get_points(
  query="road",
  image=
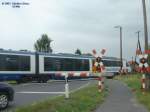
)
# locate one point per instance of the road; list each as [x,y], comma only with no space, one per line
[24,92]
[120,97]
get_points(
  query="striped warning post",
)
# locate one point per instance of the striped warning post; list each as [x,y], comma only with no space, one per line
[143,80]
[143,68]
[100,84]
[99,67]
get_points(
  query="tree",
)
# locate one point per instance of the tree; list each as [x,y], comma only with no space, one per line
[78,51]
[43,44]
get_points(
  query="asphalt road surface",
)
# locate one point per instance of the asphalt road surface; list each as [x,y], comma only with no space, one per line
[29,93]
[120,99]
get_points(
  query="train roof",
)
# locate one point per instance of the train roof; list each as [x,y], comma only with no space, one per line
[66,55]
[16,52]
[79,56]
[42,53]
[57,54]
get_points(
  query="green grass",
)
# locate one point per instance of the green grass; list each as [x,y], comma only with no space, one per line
[11,82]
[84,100]
[134,82]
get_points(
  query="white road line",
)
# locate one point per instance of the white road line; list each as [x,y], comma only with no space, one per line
[25,84]
[20,85]
[32,92]
[85,85]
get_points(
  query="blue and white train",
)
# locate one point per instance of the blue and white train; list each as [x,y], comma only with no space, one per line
[24,66]
[113,65]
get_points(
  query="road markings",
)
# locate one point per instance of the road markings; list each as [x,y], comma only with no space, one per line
[85,85]
[33,92]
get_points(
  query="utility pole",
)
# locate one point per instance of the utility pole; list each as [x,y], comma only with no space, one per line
[138,49]
[120,28]
[145,25]
[138,43]
[147,83]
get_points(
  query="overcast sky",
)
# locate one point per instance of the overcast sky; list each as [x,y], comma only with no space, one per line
[72,24]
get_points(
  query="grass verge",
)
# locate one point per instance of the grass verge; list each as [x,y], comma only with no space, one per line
[134,82]
[10,82]
[84,100]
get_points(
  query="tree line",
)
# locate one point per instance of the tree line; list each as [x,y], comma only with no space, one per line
[43,44]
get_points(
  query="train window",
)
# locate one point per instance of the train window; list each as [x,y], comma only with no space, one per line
[78,65]
[49,64]
[106,63]
[113,63]
[11,63]
[24,63]
[14,63]
[127,64]
[52,64]
[116,63]
[68,65]
[119,63]
[58,64]
[2,63]
[109,63]
[85,65]
[65,64]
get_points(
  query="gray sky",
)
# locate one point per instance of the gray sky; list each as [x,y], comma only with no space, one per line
[72,24]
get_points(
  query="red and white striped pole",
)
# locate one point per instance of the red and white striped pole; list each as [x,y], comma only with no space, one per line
[143,80]
[143,69]
[100,84]
[66,87]
[99,68]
